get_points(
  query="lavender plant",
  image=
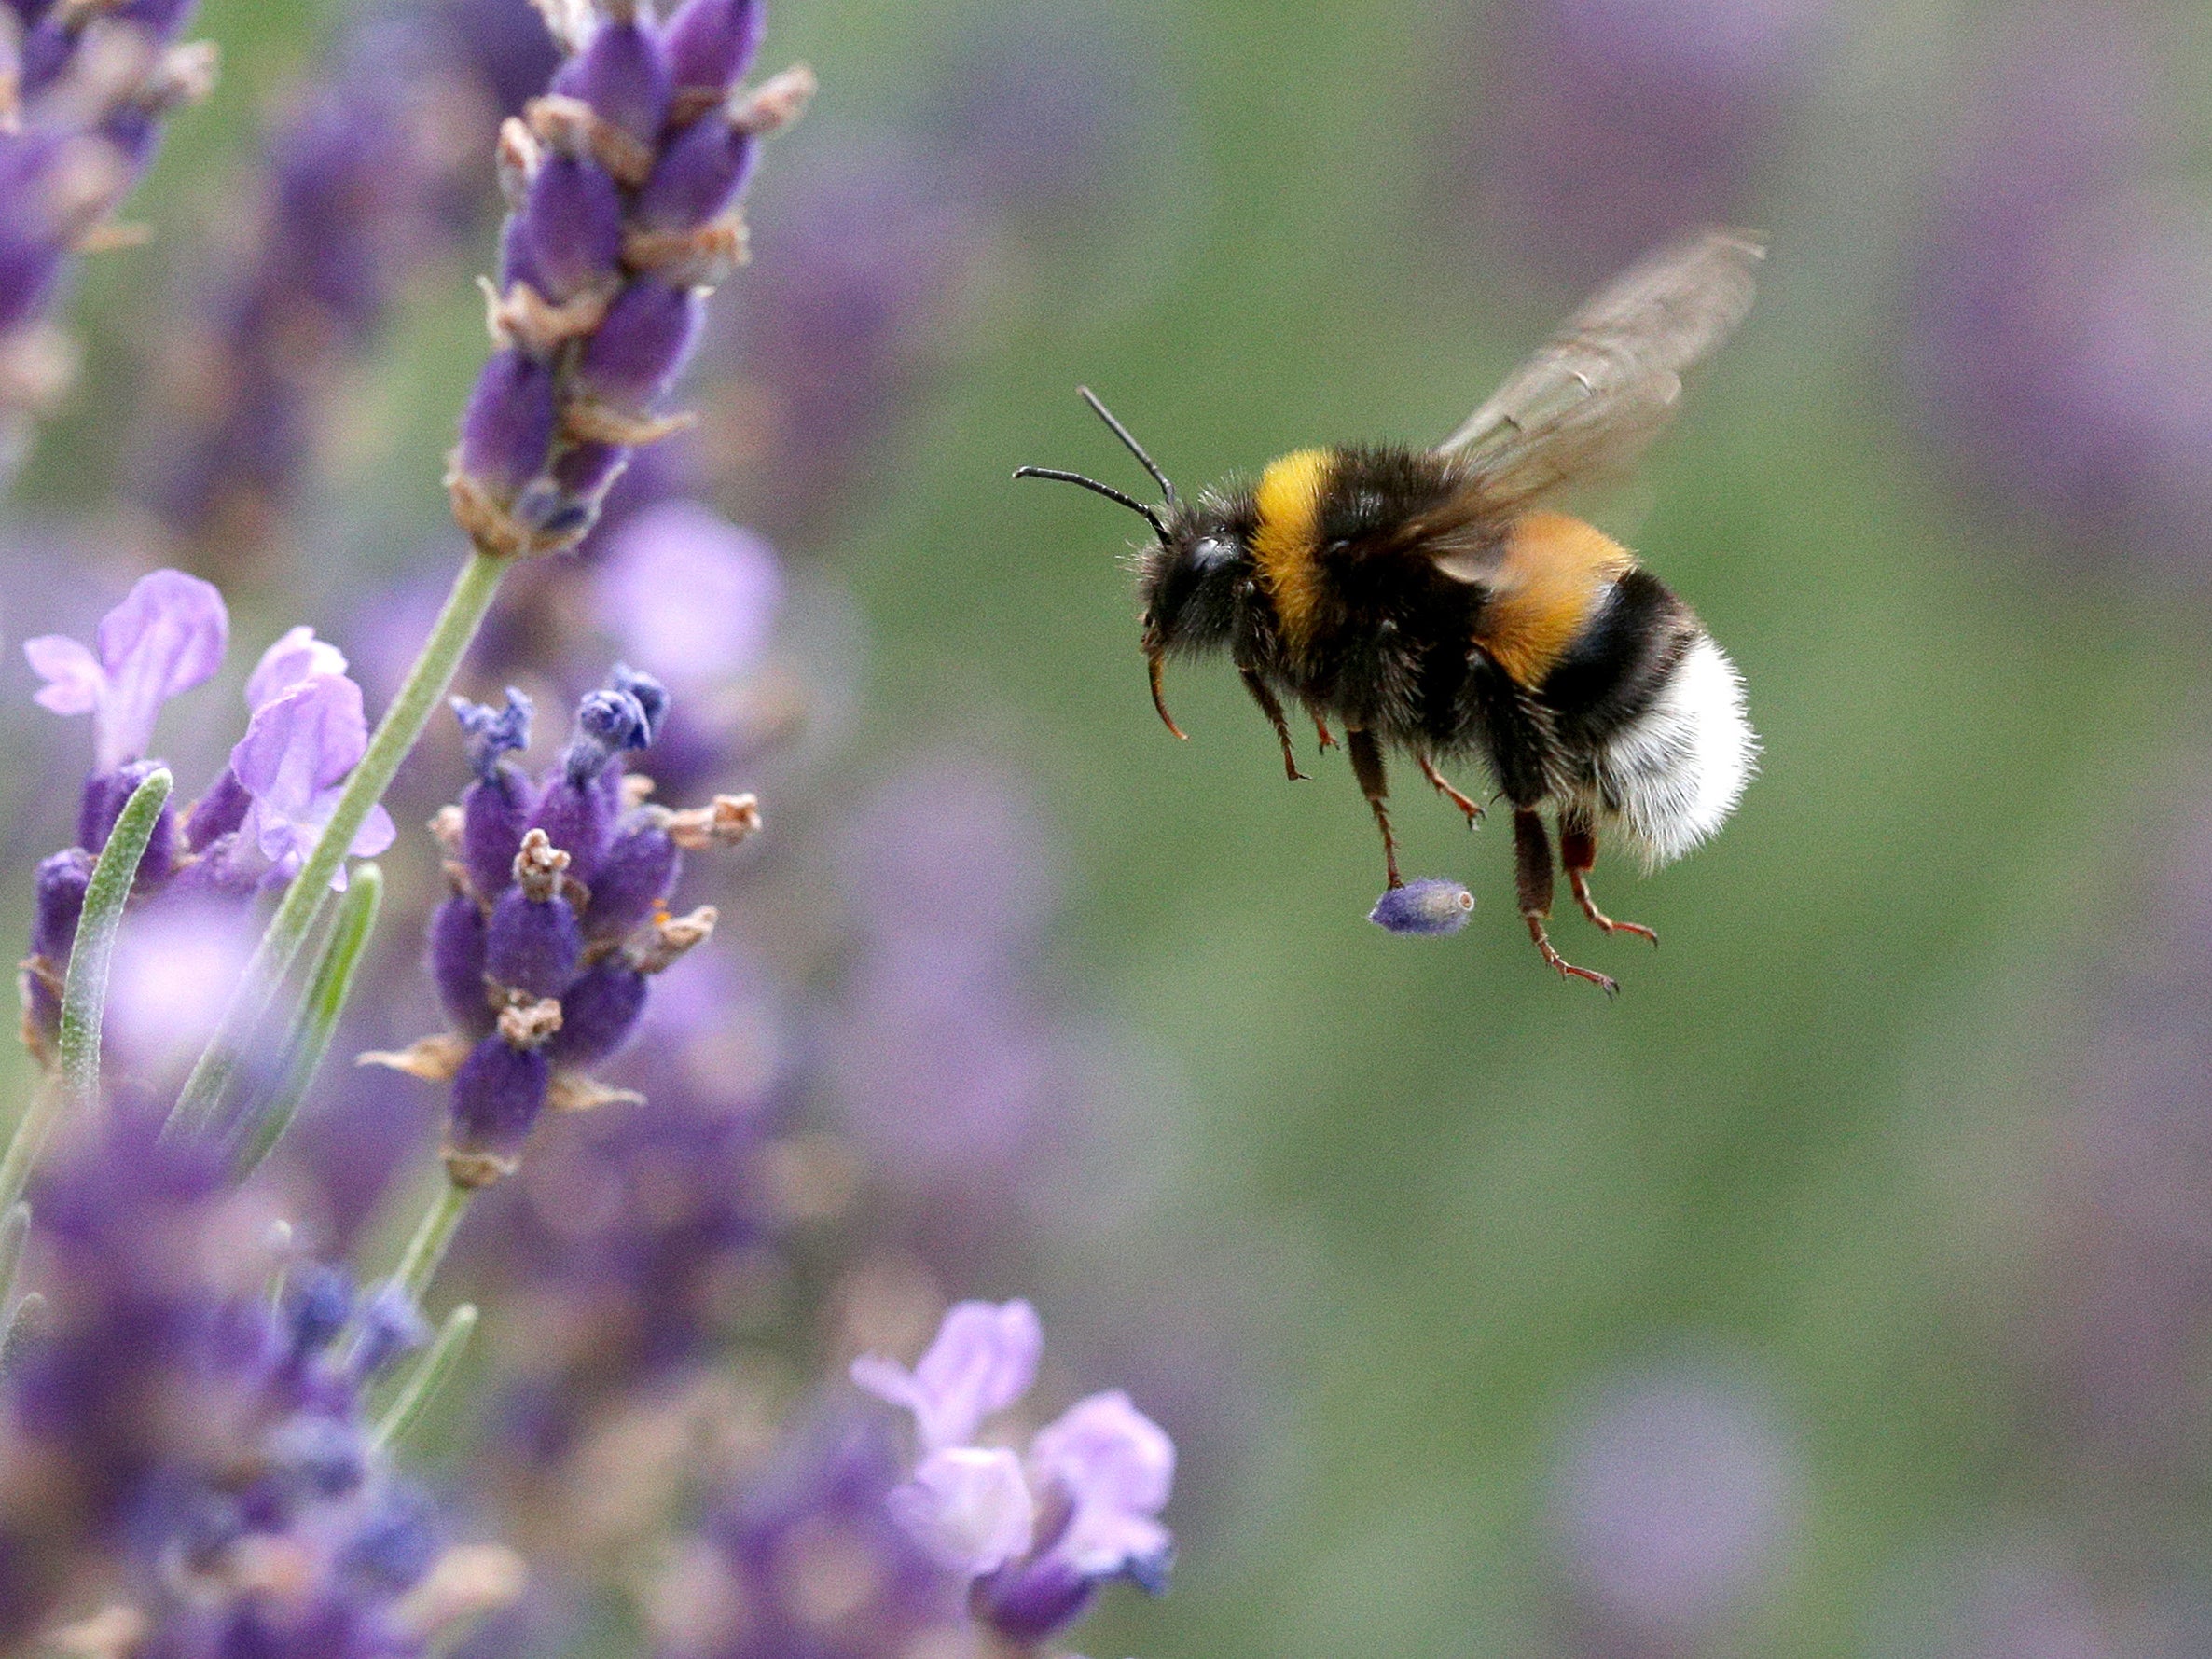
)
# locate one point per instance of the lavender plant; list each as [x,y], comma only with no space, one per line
[197,1422]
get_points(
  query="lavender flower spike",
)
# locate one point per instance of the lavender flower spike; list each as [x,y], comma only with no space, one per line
[167,636]
[622,181]
[984,1360]
[294,760]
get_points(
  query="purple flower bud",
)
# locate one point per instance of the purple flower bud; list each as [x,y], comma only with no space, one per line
[1427,904]
[608,721]
[579,818]
[632,357]
[517,255]
[597,1013]
[533,945]
[711,42]
[105,796]
[457,964]
[217,812]
[391,1325]
[494,812]
[574,217]
[494,732]
[62,882]
[698,176]
[497,1096]
[586,472]
[318,1301]
[647,692]
[508,428]
[638,870]
[623,74]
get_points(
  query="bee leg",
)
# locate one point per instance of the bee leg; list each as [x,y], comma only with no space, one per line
[1263,695]
[1321,727]
[1532,879]
[1444,787]
[1367,766]
[1578,851]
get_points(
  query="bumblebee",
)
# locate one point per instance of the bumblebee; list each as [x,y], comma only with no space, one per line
[1429,601]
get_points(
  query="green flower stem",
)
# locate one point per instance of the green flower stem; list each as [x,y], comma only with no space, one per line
[295,920]
[75,1083]
[419,1266]
[328,986]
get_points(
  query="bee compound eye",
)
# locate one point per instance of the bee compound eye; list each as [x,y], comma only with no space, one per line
[1210,551]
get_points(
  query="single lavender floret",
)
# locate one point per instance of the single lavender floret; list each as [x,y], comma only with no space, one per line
[1426,904]
[457,964]
[1036,1536]
[599,1012]
[498,1093]
[533,941]
[494,810]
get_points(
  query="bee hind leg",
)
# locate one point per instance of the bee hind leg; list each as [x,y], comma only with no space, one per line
[1533,880]
[1578,851]
[1444,787]
[1367,766]
[1263,695]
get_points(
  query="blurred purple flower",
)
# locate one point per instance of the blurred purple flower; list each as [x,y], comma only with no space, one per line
[807,1560]
[176,962]
[190,1465]
[1675,1504]
[688,594]
[1036,1536]
[166,637]
[1603,127]
[2059,335]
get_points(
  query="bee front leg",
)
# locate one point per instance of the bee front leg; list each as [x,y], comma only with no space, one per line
[1263,695]
[1367,766]
[1532,879]
[1578,851]
[1472,808]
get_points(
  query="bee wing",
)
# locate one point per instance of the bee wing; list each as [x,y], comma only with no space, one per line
[1599,391]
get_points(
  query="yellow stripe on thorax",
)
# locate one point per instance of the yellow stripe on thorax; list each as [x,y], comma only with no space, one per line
[1550,575]
[1289,499]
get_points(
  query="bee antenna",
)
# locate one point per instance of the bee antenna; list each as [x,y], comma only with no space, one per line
[1136,448]
[1108,491]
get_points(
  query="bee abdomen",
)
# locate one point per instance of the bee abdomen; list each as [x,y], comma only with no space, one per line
[1666,777]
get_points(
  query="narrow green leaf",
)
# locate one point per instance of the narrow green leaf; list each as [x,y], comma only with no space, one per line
[329,985]
[429,1375]
[15,1228]
[84,990]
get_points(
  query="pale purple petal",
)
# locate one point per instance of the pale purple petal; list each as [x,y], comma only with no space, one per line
[968,1507]
[377,832]
[689,595]
[294,761]
[296,657]
[72,675]
[984,1359]
[1117,1467]
[166,637]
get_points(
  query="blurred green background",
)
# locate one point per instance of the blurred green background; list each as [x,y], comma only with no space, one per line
[1817,1149]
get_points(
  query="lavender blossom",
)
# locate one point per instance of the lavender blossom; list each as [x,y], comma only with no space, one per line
[250,829]
[190,1466]
[622,185]
[548,976]
[1035,1536]
[78,122]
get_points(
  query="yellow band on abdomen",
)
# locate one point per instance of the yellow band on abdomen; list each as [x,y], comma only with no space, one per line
[1289,499]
